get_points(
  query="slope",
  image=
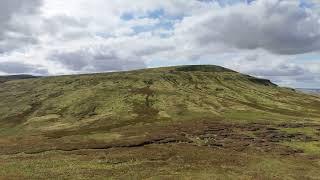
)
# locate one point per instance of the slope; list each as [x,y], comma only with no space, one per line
[144,120]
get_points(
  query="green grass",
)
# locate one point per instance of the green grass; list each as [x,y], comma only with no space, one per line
[310,131]
[310,148]
[185,122]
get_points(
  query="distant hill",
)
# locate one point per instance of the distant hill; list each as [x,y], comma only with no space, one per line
[184,122]
[15,77]
[312,91]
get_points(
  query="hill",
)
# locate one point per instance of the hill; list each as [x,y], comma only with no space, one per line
[203,122]
[311,91]
[15,77]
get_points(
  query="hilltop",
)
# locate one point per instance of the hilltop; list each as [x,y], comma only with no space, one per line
[199,121]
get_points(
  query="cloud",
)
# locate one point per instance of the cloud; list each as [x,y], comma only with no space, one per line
[280,69]
[11,8]
[255,64]
[21,68]
[96,60]
[281,27]
[15,30]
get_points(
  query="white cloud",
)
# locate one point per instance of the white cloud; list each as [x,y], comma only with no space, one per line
[280,69]
[281,27]
[14,20]
[12,67]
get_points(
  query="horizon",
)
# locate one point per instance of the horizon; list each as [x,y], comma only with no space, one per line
[93,73]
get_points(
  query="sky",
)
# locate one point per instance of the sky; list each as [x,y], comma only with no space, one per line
[274,39]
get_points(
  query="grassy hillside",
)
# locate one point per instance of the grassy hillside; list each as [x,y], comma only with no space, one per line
[204,122]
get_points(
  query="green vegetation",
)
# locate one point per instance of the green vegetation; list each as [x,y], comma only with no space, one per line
[186,122]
